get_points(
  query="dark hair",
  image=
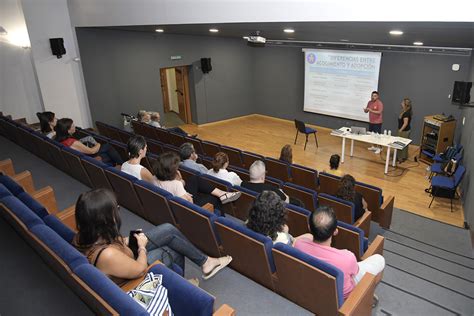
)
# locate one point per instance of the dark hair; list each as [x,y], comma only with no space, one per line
[166,166]
[134,145]
[334,161]
[346,190]
[267,215]
[186,150]
[97,218]
[45,118]
[62,129]
[220,159]
[286,154]
[322,223]
[376,92]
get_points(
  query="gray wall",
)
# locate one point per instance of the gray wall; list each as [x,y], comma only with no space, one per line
[121,70]
[467,140]
[426,79]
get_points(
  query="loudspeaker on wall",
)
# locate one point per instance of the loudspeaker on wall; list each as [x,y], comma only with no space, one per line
[57,47]
[206,65]
[461,92]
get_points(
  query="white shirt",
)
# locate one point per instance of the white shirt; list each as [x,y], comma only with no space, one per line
[223,174]
[133,170]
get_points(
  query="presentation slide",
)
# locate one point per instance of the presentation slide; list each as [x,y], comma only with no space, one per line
[339,83]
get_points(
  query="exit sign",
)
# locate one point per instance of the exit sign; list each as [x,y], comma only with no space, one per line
[176,57]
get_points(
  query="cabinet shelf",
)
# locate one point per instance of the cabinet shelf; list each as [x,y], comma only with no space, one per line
[436,136]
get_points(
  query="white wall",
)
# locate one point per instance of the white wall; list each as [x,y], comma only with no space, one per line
[172,96]
[60,80]
[145,12]
[19,95]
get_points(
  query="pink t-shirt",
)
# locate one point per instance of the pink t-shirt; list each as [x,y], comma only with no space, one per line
[174,187]
[376,105]
[344,260]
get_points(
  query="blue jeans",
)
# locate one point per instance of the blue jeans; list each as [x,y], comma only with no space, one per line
[167,244]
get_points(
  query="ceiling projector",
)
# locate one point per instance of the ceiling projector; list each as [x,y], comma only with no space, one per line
[255,40]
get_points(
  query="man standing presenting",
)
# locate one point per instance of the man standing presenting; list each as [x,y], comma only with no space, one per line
[375,109]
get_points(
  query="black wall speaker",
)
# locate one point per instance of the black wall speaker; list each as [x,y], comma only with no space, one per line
[57,47]
[206,65]
[461,92]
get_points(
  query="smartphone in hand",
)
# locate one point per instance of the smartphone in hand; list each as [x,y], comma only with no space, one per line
[132,242]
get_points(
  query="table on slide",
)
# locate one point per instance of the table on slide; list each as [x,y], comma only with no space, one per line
[375,139]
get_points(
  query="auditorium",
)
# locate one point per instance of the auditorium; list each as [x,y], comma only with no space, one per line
[236,157]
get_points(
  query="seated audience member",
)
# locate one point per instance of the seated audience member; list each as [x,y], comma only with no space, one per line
[155,121]
[143,116]
[188,158]
[286,154]
[47,123]
[200,192]
[346,191]
[323,225]
[65,129]
[257,183]
[268,217]
[98,238]
[219,169]
[334,165]
[137,151]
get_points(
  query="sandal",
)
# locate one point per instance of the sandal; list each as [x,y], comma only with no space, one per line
[229,197]
[223,262]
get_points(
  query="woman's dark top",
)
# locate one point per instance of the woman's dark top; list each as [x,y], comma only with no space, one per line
[358,205]
[400,121]
[260,187]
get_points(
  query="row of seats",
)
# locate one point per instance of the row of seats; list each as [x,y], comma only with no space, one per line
[303,184]
[52,240]
[229,240]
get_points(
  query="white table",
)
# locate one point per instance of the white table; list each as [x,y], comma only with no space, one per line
[381,140]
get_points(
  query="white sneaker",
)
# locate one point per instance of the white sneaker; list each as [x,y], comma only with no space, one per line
[377,151]
[372,148]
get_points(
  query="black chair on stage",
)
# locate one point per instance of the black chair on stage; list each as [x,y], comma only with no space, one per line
[301,128]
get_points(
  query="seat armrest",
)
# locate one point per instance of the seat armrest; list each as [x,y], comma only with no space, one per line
[6,166]
[224,310]
[386,210]
[131,284]
[67,217]
[25,180]
[364,222]
[376,247]
[46,197]
[360,300]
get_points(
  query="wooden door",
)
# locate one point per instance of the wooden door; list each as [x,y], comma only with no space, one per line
[164,90]
[180,90]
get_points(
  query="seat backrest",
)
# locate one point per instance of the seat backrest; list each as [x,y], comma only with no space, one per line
[196,144]
[176,139]
[304,176]
[242,173]
[172,148]
[351,238]
[274,181]
[297,220]
[249,158]
[458,175]
[345,210]
[243,204]
[196,224]
[210,148]
[137,127]
[122,184]
[300,126]
[251,252]
[56,158]
[155,203]
[235,156]
[121,149]
[26,217]
[161,134]
[103,129]
[328,183]
[307,196]
[96,171]
[372,195]
[277,169]
[322,295]
[154,146]
[76,168]
[124,135]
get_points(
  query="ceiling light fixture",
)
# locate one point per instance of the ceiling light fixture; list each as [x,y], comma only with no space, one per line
[418,43]
[396,32]
[213,30]
[288,30]
[159,30]
[344,40]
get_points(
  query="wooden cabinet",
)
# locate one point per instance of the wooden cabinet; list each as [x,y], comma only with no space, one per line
[436,135]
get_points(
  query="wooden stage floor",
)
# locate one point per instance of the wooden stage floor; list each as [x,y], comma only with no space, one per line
[266,135]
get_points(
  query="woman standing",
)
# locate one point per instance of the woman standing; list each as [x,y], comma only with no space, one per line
[404,127]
